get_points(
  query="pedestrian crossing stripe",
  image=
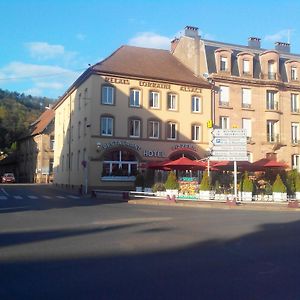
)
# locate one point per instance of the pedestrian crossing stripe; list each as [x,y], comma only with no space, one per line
[18,197]
[3,198]
[46,197]
[32,197]
[73,197]
[60,197]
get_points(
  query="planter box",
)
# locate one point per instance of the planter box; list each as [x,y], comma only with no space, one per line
[207,195]
[279,197]
[172,193]
[162,194]
[245,196]
[297,195]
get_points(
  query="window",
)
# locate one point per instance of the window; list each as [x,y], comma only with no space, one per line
[295,103]
[172,102]
[78,160]
[296,162]
[196,132]
[196,104]
[84,126]
[134,128]
[272,131]
[271,70]
[51,164]
[119,163]
[135,98]
[153,129]
[223,63]
[85,96]
[246,98]
[272,103]
[108,94]
[250,156]
[224,96]
[171,131]
[224,122]
[79,129]
[106,126]
[246,66]
[79,102]
[247,124]
[295,133]
[154,99]
[294,73]
[52,142]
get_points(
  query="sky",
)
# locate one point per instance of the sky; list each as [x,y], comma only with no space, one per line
[46,44]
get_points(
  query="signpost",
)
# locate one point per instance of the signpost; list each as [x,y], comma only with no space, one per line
[229,145]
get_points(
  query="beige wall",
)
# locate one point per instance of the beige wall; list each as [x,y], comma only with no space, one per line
[68,115]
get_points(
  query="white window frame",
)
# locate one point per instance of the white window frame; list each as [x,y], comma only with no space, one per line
[196,132]
[154,129]
[295,133]
[135,98]
[223,63]
[196,104]
[294,75]
[108,95]
[295,103]
[134,128]
[224,95]
[246,98]
[246,66]
[247,124]
[172,101]
[154,99]
[271,100]
[172,131]
[296,162]
[272,131]
[224,122]
[105,124]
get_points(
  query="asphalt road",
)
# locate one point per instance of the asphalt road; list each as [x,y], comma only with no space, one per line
[56,245]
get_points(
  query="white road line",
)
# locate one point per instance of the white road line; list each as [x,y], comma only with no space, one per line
[18,197]
[3,198]
[4,191]
[60,197]
[32,197]
[46,197]
[73,197]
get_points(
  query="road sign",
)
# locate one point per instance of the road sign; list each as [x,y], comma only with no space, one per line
[235,132]
[229,153]
[223,147]
[229,141]
[228,158]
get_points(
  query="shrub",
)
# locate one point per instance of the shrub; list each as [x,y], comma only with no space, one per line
[297,184]
[278,185]
[158,187]
[246,184]
[171,183]
[205,182]
[139,180]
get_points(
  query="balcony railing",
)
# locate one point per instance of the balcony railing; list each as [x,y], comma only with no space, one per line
[272,105]
[246,105]
[224,103]
[295,110]
[272,75]
[273,138]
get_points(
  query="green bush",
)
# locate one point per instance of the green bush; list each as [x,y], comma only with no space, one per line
[205,182]
[278,185]
[297,183]
[171,183]
[158,187]
[246,184]
[139,180]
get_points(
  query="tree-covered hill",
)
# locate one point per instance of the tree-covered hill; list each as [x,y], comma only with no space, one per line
[17,112]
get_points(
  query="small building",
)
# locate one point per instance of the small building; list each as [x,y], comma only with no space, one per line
[139,105]
[36,150]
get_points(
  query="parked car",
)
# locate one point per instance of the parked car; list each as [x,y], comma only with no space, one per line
[8,178]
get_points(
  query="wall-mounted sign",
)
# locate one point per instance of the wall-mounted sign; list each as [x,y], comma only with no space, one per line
[154,153]
[114,144]
[117,80]
[155,85]
[190,89]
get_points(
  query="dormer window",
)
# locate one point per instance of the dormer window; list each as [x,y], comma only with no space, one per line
[294,73]
[223,64]
[246,66]
[271,70]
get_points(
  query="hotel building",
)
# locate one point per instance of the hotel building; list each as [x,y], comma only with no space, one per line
[138,105]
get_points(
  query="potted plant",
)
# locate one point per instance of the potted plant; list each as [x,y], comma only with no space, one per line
[279,190]
[159,189]
[246,188]
[172,185]
[297,187]
[139,182]
[205,188]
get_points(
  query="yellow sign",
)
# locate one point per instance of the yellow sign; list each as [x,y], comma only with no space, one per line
[209,124]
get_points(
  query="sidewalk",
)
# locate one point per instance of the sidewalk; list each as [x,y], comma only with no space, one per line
[264,206]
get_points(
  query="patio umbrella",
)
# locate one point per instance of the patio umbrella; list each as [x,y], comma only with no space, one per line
[184,163]
[265,163]
[158,165]
[228,166]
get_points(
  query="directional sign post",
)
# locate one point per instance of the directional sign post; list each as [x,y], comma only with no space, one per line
[230,145]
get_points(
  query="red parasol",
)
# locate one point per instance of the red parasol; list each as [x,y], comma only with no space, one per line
[184,163]
[265,163]
[228,166]
[158,165]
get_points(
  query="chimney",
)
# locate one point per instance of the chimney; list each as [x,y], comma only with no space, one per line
[254,42]
[283,47]
[191,31]
[174,44]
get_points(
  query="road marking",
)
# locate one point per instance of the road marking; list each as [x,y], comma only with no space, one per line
[18,197]
[73,197]
[3,198]
[46,197]
[60,197]
[4,192]
[32,197]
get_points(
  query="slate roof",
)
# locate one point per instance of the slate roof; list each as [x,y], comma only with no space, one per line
[147,63]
